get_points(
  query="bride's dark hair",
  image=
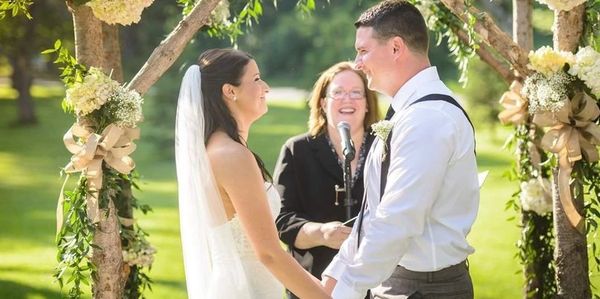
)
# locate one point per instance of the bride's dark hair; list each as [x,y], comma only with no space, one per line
[219,67]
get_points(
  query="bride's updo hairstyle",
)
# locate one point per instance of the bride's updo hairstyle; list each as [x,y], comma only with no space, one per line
[219,67]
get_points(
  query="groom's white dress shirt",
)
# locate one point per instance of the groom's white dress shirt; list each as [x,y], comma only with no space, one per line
[431,198]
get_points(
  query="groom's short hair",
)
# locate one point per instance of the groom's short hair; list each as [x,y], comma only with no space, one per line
[397,18]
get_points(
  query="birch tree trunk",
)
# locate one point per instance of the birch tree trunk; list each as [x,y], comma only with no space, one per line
[571,246]
[108,257]
[112,51]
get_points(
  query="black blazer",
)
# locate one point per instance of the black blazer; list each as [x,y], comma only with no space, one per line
[305,175]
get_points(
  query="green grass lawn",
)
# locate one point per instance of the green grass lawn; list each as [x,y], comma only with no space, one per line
[31,157]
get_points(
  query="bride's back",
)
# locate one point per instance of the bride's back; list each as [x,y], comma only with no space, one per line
[221,149]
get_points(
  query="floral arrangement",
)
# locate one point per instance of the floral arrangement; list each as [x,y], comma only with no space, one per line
[562,96]
[548,88]
[124,12]
[536,196]
[104,98]
[92,93]
[564,5]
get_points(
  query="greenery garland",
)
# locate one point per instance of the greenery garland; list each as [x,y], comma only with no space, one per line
[445,24]
[536,246]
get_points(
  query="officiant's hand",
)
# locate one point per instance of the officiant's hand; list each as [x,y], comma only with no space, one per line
[334,234]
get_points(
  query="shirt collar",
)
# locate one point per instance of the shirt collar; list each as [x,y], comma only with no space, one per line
[406,94]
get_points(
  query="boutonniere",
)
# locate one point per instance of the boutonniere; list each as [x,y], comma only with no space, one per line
[381,130]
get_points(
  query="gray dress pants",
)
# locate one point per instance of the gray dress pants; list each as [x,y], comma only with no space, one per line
[453,282]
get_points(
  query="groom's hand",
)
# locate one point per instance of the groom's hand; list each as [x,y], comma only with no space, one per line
[334,234]
[328,284]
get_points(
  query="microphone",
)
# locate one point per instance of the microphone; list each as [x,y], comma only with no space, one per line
[347,144]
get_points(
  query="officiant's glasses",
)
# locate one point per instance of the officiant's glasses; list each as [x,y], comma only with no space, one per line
[339,94]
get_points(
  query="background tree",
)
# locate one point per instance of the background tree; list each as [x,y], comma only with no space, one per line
[21,41]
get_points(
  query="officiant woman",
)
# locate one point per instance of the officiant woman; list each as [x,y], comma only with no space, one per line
[309,171]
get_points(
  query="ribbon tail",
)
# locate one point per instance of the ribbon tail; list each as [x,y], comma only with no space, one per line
[59,208]
[564,175]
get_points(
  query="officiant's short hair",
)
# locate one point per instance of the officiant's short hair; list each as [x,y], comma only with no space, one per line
[392,18]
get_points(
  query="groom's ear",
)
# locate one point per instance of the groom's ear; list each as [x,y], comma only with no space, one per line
[398,46]
[228,91]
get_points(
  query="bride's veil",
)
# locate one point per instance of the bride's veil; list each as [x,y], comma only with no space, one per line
[213,267]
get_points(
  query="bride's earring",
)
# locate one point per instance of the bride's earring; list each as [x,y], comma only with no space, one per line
[234,98]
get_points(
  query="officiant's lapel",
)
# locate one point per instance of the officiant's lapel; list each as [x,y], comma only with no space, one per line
[326,157]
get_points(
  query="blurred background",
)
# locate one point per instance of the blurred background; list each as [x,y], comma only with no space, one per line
[291,48]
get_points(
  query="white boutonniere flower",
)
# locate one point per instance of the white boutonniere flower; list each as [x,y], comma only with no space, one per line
[381,130]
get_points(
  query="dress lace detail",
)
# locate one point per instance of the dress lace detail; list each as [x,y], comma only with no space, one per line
[262,283]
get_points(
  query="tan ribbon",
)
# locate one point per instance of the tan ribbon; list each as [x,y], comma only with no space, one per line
[573,135]
[89,150]
[515,105]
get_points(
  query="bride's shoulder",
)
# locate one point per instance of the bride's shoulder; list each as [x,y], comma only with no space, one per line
[222,150]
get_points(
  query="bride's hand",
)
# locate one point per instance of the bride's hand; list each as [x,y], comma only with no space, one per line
[334,234]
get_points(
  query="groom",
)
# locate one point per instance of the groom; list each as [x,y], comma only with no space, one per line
[421,188]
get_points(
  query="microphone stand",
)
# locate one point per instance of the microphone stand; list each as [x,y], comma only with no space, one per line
[348,202]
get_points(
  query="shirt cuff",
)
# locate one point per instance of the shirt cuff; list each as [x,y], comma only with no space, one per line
[335,269]
[344,291]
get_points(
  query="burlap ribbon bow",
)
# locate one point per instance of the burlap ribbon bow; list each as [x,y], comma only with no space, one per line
[515,105]
[89,150]
[573,135]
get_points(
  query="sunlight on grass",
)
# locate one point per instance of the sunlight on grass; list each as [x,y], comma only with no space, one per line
[12,171]
[50,90]
[7,93]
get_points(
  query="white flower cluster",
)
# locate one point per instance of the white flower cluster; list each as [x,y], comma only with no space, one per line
[143,256]
[126,107]
[122,12]
[99,92]
[547,61]
[89,95]
[536,196]
[546,94]
[564,5]
[220,14]
[587,68]
[382,129]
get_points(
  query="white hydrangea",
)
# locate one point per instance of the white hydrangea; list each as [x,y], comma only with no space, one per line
[587,68]
[122,12]
[536,196]
[89,95]
[546,94]
[547,61]
[220,14]
[564,5]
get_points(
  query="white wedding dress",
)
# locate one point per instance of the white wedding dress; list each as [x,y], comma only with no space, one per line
[261,283]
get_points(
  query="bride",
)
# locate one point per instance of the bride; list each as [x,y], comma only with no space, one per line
[227,204]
